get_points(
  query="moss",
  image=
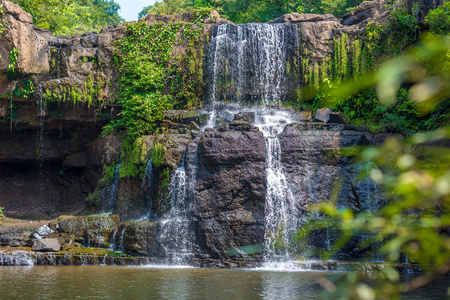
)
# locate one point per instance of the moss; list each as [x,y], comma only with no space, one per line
[89,93]
[134,152]
[158,153]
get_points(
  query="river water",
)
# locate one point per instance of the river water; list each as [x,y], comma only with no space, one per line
[71,282]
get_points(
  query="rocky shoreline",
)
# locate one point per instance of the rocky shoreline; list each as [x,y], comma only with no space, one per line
[23,257]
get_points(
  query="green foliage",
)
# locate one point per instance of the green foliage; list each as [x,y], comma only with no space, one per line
[89,93]
[134,152]
[108,171]
[439,19]
[68,17]
[14,107]
[358,57]
[169,7]
[1,215]
[3,25]
[144,11]
[13,56]
[246,11]
[154,75]
[164,181]
[404,28]
[414,175]
[25,89]
[365,109]
[157,154]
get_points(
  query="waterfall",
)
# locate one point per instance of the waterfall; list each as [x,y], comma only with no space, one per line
[252,63]
[108,195]
[175,235]
[58,67]
[147,187]
[41,138]
[281,214]
[112,189]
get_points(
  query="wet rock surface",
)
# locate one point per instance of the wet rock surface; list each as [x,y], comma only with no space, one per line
[313,161]
[139,238]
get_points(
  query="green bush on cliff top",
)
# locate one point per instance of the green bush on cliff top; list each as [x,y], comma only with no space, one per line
[439,19]
[67,17]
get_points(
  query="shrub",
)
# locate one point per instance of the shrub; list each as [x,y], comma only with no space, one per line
[439,19]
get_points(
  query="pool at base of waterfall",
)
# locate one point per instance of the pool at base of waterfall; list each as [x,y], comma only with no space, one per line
[155,282]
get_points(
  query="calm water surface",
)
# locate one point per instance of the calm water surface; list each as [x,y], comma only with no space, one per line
[71,282]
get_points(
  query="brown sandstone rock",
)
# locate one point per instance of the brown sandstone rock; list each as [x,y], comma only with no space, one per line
[367,11]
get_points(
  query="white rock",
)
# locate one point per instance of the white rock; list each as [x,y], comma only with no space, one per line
[44,230]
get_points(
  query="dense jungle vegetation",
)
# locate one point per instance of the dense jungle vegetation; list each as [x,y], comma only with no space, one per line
[351,59]
[67,17]
[248,11]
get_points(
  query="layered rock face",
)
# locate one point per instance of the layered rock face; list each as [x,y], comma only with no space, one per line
[52,152]
[231,184]
[313,161]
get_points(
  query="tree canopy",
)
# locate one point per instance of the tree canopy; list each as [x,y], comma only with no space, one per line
[68,17]
[247,11]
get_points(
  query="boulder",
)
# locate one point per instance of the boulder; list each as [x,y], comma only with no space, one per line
[323,115]
[44,230]
[366,12]
[15,237]
[193,126]
[312,160]
[335,117]
[46,245]
[100,229]
[228,116]
[213,18]
[139,238]
[424,7]
[245,116]
[303,116]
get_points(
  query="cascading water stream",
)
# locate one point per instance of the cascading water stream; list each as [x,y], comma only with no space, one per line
[41,139]
[147,187]
[175,234]
[252,63]
[112,189]
[280,207]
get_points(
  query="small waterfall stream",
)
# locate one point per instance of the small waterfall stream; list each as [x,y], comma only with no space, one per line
[147,187]
[41,138]
[282,214]
[112,189]
[280,207]
[175,236]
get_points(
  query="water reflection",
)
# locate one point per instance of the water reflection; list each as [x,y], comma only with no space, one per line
[64,282]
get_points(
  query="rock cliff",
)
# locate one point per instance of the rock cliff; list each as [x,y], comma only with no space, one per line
[54,159]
